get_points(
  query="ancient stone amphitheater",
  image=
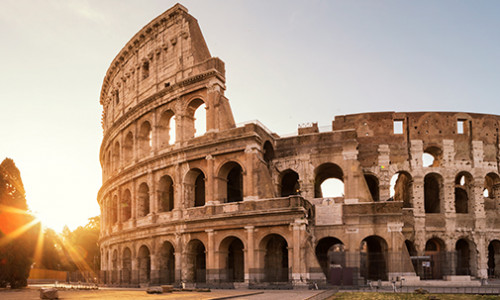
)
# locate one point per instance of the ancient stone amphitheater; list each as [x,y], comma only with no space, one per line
[240,205]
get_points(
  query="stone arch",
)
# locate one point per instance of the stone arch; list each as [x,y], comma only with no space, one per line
[330,254]
[289,183]
[116,156]
[114,210]
[325,172]
[433,193]
[231,182]
[127,266]
[373,185]
[114,267]
[437,265]
[196,261]
[166,194]
[464,188]
[268,152]
[374,252]
[494,259]
[275,258]
[195,108]
[402,188]
[491,191]
[465,257]
[143,200]
[167,263]
[144,260]
[194,184]
[128,148]
[145,139]
[231,259]
[167,128]
[126,205]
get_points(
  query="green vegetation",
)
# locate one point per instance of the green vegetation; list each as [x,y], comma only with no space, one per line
[409,296]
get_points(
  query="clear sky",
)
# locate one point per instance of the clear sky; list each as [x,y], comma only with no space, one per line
[287,62]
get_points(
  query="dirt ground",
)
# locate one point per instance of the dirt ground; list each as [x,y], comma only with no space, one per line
[125,294]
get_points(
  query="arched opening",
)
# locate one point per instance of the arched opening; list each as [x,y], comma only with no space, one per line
[432,157]
[143,200]
[435,267]
[195,187]
[290,183]
[373,186]
[114,210]
[275,258]
[494,259]
[232,260]
[433,193]
[145,139]
[167,128]
[126,205]
[328,181]
[114,267]
[233,183]
[144,265]
[491,191]
[166,194]
[196,111]
[463,186]
[127,266]
[331,258]
[116,156]
[463,257]
[167,263]
[196,262]
[373,258]
[268,152]
[128,149]
[401,188]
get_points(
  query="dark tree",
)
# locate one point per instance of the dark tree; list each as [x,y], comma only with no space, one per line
[17,231]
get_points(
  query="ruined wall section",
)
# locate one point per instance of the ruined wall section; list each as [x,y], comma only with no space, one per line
[432,128]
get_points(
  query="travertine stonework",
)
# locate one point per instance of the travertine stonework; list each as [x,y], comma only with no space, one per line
[242,204]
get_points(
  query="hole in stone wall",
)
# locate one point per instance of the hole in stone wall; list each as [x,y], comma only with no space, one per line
[460,126]
[432,157]
[328,181]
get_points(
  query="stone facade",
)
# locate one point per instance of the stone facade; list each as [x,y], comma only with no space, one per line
[242,204]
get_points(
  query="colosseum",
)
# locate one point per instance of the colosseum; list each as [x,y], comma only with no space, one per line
[416,197]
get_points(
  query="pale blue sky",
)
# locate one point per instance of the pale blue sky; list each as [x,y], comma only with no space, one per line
[287,62]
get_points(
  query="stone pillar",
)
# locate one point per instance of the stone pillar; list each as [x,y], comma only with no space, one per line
[416,151]
[448,153]
[249,186]
[210,257]
[155,269]
[135,269]
[153,196]
[212,104]
[250,255]
[298,260]
[482,256]
[210,197]
[133,201]
[383,164]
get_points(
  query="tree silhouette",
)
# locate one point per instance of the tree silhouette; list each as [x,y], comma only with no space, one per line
[17,233]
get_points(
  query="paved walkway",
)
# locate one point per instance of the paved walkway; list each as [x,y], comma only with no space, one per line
[32,293]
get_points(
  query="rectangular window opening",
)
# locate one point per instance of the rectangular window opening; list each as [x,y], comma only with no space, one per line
[460,126]
[398,126]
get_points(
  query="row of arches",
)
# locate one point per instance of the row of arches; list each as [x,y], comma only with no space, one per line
[148,136]
[119,208]
[461,258]
[163,268]
[373,260]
